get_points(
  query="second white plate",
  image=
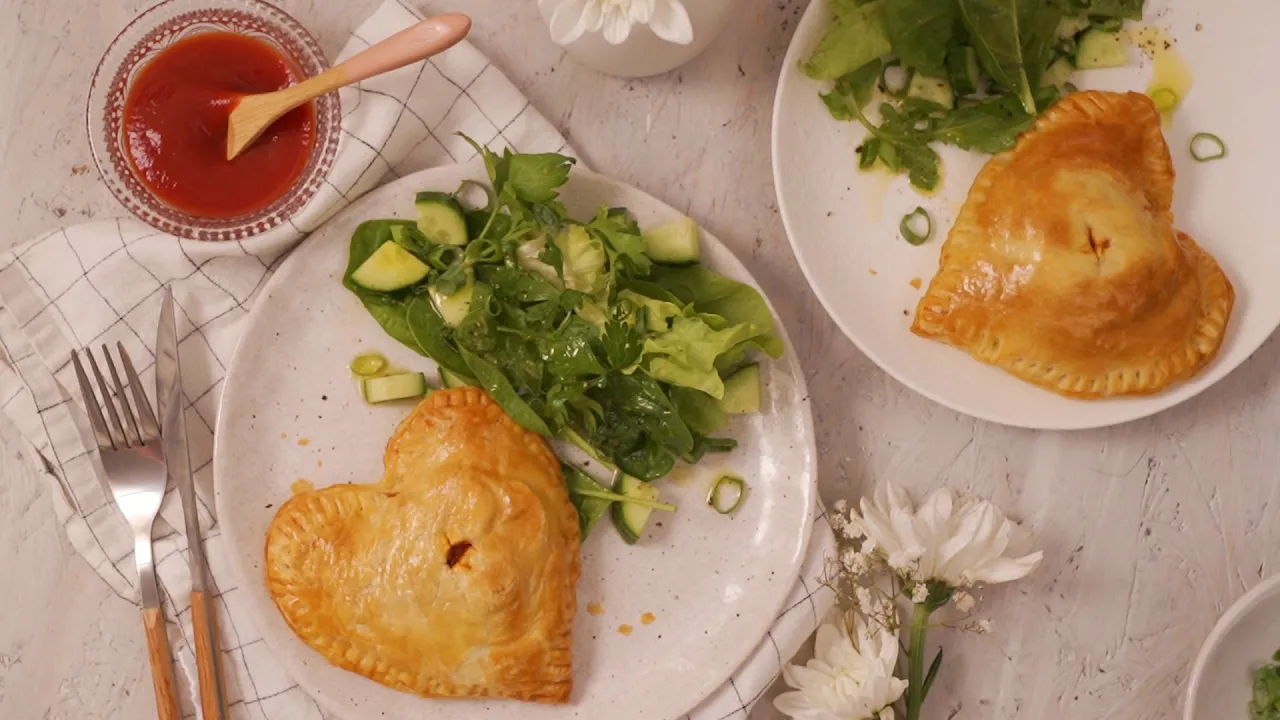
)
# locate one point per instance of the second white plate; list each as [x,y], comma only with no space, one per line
[843,223]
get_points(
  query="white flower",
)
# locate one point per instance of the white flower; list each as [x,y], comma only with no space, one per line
[964,601]
[571,19]
[959,546]
[850,678]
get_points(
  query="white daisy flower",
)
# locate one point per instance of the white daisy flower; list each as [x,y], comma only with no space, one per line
[960,546]
[850,678]
[571,19]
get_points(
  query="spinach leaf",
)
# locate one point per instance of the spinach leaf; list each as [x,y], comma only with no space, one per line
[497,385]
[643,397]
[648,462]
[996,30]
[852,92]
[429,334]
[590,509]
[921,32]
[1039,24]
[568,353]
[857,37]
[700,411]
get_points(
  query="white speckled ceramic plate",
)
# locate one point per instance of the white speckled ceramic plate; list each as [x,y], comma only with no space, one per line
[843,223]
[714,583]
[1221,682]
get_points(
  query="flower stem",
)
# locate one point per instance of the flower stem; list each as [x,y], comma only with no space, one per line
[915,660]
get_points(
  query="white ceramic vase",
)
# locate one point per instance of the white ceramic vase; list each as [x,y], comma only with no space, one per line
[643,53]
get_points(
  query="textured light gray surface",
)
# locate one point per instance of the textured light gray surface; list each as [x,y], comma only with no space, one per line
[1149,530]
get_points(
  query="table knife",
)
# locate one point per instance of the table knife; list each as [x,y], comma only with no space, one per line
[173,434]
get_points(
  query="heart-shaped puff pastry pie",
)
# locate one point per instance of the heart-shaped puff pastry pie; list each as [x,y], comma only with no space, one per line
[1064,267]
[453,576]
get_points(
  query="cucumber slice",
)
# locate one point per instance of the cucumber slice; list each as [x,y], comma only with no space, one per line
[389,268]
[963,68]
[932,90]
[441,219]
[675,243]
[1100,49]
[454,308]
[1058,73]
[452,380]
[629,518]
[742,391]
[394,387]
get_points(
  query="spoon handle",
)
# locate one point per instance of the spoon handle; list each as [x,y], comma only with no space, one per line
[429,37]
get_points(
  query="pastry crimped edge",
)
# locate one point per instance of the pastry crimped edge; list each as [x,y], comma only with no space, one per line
[554,681]
[1217,296]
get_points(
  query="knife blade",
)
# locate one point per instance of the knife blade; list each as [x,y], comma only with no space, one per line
[173,441]
[173,433]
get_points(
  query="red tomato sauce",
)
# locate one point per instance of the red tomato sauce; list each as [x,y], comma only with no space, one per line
[175,123]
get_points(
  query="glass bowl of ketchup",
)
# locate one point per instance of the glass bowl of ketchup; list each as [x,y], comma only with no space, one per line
[158,109]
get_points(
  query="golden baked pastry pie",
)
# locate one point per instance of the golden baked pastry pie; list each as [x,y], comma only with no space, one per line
[453,576]
[1064,268]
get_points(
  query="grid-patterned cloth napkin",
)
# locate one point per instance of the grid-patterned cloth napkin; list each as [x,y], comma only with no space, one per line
[99,283]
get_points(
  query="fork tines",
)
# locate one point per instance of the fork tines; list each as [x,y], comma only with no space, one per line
[128,427]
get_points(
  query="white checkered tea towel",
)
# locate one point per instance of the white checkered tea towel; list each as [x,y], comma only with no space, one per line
[99,283]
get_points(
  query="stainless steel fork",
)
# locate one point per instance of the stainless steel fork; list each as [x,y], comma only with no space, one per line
[128,441]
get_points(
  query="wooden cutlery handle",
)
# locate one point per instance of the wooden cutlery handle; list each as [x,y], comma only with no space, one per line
[204,624]
[429,37]
[161,665]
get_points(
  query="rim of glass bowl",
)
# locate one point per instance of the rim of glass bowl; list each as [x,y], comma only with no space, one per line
[153,30]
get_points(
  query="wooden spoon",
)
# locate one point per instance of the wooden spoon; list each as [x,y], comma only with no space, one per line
[254,113]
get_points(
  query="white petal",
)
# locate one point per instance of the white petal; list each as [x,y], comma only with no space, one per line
[1003,570]
[670,22]
[640,11]
[617,27]
[571,19]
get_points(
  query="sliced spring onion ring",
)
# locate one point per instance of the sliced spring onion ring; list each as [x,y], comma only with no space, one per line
[368,364]
[490,198]
[895,85]
[1165,99]
[909,227]
[1199,140]
[716,498]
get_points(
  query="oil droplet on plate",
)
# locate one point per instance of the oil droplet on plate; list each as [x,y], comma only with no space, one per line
[624,630]
[873,272]
[1169,72]
[915,283]
[595,608]
[284,435]
[304,442]
[647,619]
[300,486]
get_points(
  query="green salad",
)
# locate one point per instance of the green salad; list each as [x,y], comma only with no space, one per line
[969,73]
[589,330]
[1265,703]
